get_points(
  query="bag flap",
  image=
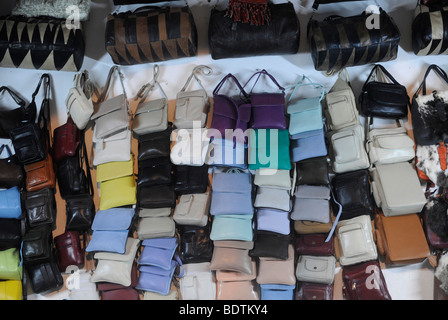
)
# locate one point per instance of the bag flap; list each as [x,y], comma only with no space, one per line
[345,146]
[113,219]
[35,166]
[148,270]
[352,239]
[315,264]
[108,106]
[235,244]
[225,106]
[395,142]
[312,192]
[308,134]
[232,182]
[161,243]
[304,105]
[150,106]
[387,93]
[267,99]
[35,202]
[132,245]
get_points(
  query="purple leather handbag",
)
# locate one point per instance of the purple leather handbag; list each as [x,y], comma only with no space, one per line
[268,109]
[228,112]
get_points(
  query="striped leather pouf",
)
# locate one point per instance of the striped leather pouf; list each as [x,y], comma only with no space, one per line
[151,35]
[339,42]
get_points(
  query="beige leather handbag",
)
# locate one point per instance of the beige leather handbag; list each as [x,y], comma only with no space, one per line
[277,271]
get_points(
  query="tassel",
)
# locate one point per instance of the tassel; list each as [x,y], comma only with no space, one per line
[255,12]
[442,155]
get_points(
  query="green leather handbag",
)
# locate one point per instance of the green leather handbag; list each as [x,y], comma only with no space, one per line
[269,148]
[10,265]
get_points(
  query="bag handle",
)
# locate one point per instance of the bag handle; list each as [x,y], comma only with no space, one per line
[205,70]
[235,80]
[144,91]
[84,156]
[377,71]
[82,81]
[310,83]
[260,73]
[112,71]
[13,95]
[43,118]
[439,71]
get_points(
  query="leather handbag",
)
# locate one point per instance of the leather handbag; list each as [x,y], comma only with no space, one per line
[11,290]
[364,281]
[160,196]
[232,227]
[311,227]
[114,148]
[191,179]
[40,207]
[79,103]
[79,212]
[118,192]
[277,271]
[276,292]
[356,241]
[389,178]
[155,171]
[10,203]
[310,144]
[228,153]
[37,245]
[11,118]
[270,245]
[151,115]
[313,171]
[155,144]
[156,227]
[154,213]
[428,37]
[192,106]
[273,198]
[31,140]
[314,245]
[352,190]
[175,36]
[11,172]
[158,252]
[237,290]
[401,240]
[190,148]
[70,250]
[11,267]
[382,96]
[40,174]
[116,268]
[354,34]
[114,170]
[311,203]
[58,9]
[319,269]
[230,39]
[66,139]
[111,114]
[279,179]
[113,291]
[340,107]
[389,145]
[229,112]
[272,142]
[268,108]
[44,277]
[195,245]
[273,220]
[436,232]
[10,233]
[63,44]
[232,256]
[198,282]
[427,116]
[192,209]
[314,291]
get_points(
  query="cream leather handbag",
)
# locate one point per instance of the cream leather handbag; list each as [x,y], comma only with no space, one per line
[198,282]
[319,269]
[277,271]
[192,209]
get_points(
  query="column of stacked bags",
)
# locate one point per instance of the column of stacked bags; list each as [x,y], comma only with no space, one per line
[398,193]
[352,200]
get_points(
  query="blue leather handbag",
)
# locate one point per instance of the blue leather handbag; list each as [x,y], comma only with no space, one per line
[277,292]
[10,203]
[309,144]
[158,252]
[232,227]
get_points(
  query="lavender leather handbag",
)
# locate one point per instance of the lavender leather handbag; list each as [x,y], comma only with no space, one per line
[268,108]
[228,112]
[158,252]
[309,144]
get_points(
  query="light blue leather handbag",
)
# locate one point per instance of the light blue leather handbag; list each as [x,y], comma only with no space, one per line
[277,292]
[158,252]
[273,220]
[305,114]
[10,204]
[232,227]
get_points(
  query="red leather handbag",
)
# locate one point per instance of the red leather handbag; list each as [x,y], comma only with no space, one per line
[364,281]
[66,139]
[314,244]
[70,249]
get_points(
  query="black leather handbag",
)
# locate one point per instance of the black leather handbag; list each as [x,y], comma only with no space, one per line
[231,39]
[11,118]
[195,245]
[191,179]
[270,244]
[383,96]
[80,212]
[10,233]
[338,42]
[31,140]
[11,172]
[44,276]
[37,245]
[155,144]
[154,171]
[313,171]
[352,191]
[159,196]
[40,207]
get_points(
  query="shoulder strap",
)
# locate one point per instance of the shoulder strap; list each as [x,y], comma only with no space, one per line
[438,71]
[301,83]
[106,88]
[13,95]
[260,73]
[205,70]
[148,87]
[235,80]
[43,118]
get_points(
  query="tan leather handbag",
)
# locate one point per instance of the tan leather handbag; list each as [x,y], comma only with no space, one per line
[40,175]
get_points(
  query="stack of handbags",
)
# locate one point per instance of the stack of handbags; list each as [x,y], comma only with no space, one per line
[306,124]
[159,265]
[338,42]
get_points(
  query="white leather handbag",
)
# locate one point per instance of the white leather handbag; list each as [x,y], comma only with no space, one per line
[355,238]
[79,104]
[389,145]
[348,152]
[274,198]
[275,178]
[396,189]
[192,209]
[198,282]
[114,148]
[156,227]
[318,269]
[191,147]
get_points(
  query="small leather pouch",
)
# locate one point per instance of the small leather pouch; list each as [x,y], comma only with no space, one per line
[277,271]
[11,267]
[80,212]
[312,203]
[313,171]
[66,139]
[314,245]
[155,171]
[160,196]
[10,203]
[232,255]
[40,175]
[11,290]
[271,245]
[155,144]
[11,171]
[314,291]
[319,269]
[276,292]
[158,252]
[192,209]
[37,245]
[118,192]
[401,239]
[156,227]
[40,207]
[195,244]
[10,233]
[190,179]
[70,250]
[44,276]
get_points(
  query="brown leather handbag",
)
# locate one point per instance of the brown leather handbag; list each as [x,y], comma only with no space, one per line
[66,139]
[40,175]
[314,291]
[314,244]
[11,171]
[401,239]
